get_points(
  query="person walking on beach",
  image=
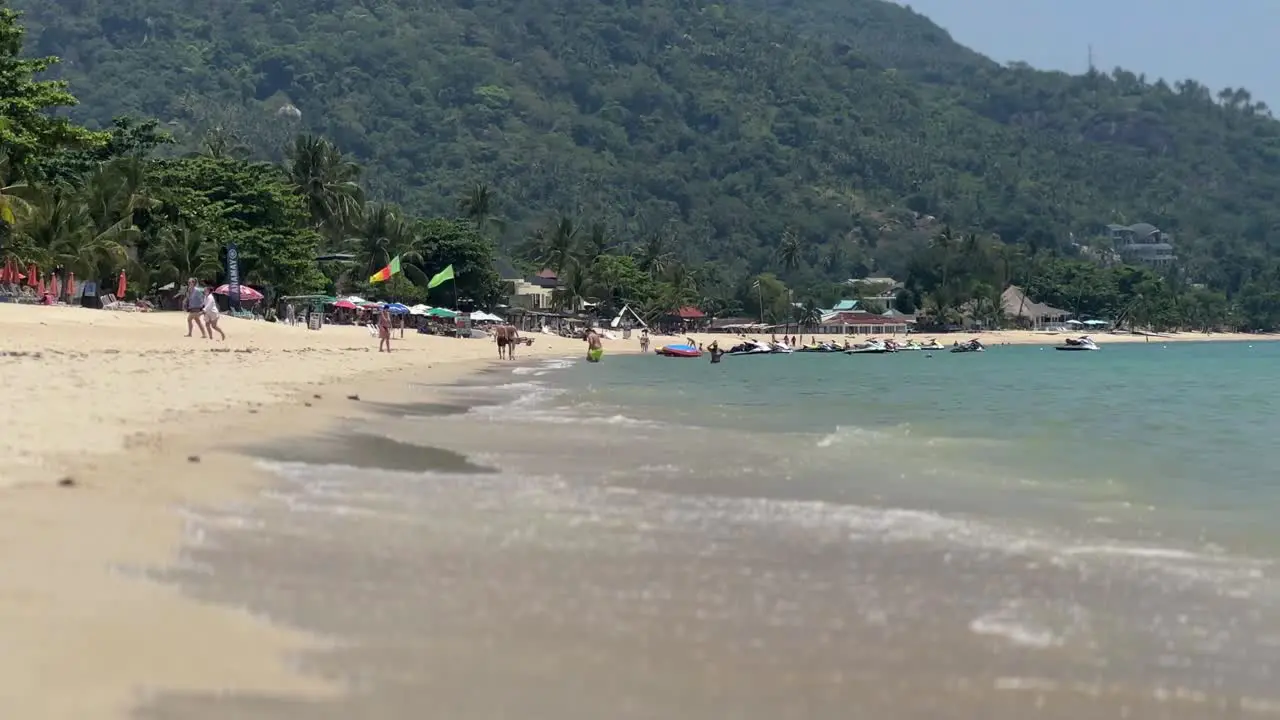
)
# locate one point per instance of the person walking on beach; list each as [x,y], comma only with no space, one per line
[512,336]
[384,329]
[194,302]
[595,348]
[211,317]
[644,340]
[500,335]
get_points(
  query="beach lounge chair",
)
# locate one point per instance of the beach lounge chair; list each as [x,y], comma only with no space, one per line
[109,302]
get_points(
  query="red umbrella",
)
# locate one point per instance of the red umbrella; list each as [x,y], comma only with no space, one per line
[5,272]
[40,287]
[71,284]
[246,292]
[345,305]
[32,272]
[121,286]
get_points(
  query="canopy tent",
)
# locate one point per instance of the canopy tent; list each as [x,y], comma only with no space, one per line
[622,314]
[320,299]
[483,316]
[442,313]
[247,293]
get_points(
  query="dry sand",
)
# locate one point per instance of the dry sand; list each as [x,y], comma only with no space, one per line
[120,403]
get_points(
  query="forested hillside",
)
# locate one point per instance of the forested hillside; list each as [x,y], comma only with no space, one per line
[859,126]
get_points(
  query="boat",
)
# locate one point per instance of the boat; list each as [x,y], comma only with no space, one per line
[826,347]
[870,347]
[691,351]
[933,344]
[908,346]
[750,347]
[781,348]
[967,347]
[1084,342]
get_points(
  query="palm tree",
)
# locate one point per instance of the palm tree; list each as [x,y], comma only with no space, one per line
[654,256]
[789,250]
[556,249]
[596,244]
[63,233]
[182,253]
[12,191]
[379,233]
[320,173]
[477,206]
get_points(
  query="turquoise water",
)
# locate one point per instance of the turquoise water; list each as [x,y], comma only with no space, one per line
[1184,431]
[1014,534]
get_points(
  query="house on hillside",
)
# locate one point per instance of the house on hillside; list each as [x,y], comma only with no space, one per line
[1028,313]
[1143,244]
[531,293]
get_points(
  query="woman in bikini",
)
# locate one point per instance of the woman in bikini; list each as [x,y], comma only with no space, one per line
[384,329]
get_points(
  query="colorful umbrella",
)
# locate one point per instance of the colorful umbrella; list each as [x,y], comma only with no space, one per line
[442,313]
[345,305]
[121,286]
[247,293]
[398,309]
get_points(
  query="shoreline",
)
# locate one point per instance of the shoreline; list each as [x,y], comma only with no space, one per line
[144,423]
[119,403]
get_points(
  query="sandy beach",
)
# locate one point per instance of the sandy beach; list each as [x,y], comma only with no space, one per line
[116,422]
[139,417]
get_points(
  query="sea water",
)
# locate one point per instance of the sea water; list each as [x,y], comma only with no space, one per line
[1017,533]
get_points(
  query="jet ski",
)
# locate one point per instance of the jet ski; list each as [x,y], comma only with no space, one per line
[1084,343]
[870,347]
[968,347]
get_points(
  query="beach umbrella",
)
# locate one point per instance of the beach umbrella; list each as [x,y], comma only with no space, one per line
[345,305]
[121,286]
[32,272]
[397,308]
[442,313]
[419,309]
[71,284]
[246,293]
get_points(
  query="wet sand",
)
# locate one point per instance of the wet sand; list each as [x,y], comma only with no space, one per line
[543,592]
[113,423]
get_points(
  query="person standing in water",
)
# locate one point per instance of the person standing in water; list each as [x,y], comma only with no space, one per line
[715,351]
[644,340]
[595,347]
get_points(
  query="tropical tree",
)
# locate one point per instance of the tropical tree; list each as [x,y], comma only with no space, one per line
[327,180]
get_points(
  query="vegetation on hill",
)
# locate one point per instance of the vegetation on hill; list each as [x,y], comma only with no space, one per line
[818,141]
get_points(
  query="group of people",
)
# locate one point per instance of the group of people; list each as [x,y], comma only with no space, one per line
[202,311]
[507,338]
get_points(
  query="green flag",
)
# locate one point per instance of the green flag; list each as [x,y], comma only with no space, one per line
[445,274]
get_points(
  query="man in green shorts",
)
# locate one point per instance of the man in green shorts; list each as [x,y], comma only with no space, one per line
[595,348]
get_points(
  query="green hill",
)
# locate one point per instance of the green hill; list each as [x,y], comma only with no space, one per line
[860,125]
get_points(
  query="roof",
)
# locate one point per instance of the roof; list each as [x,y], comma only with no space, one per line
[690,313]
[1015,303]
[506,270]
[862,318]
[845,306]
[547,274]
